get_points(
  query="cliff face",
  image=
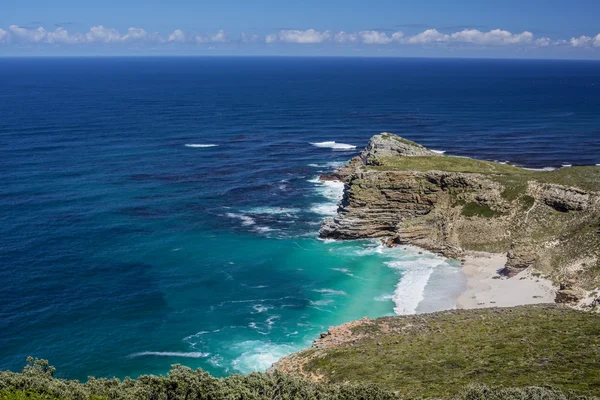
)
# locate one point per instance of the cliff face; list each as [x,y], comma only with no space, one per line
[404,193]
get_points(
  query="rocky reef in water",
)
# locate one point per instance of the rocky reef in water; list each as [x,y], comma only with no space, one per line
[404,193]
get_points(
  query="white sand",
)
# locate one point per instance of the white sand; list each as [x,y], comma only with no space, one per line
[486,288]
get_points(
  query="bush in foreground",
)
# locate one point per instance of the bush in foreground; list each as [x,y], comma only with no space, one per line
[37,382]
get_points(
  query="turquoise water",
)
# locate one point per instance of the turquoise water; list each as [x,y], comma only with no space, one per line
[165,210]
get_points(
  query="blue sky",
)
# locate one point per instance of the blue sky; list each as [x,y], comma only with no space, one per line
[429,28]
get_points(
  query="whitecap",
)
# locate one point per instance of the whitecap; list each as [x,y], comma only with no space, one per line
[331,292]
[411,287]
[567,165]
[331,164]
[193,354]
[321,302]
[264,229]
[384,297]
[543,169]
[344,271]
[324,209]
[259,308]
[200,145]
[334,145]
[258,355]
[246,220]
[274,210]
[333,190]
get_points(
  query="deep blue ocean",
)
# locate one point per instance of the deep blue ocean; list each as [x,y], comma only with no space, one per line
[156,211]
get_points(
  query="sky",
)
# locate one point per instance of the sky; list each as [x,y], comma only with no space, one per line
[556,29]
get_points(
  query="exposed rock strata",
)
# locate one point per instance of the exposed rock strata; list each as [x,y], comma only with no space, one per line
[395,191]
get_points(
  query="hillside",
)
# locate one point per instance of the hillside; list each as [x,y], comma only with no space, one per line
[436,355]
[402,192]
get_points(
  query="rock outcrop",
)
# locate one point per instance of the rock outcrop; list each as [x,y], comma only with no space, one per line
[403,193]
[388,145]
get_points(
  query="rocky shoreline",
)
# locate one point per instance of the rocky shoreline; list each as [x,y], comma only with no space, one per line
[545,222]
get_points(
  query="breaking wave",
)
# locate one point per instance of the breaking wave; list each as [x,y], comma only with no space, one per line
[334,145]
[200,145]
[193,354]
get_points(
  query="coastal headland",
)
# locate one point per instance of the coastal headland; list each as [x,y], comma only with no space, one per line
[522,236]
[539,225]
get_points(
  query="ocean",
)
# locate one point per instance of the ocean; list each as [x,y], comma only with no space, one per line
[166,210]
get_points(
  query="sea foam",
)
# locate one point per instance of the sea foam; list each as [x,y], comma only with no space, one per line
[193,354]
[410,289]
[334,145]
[200,145]
[258,355]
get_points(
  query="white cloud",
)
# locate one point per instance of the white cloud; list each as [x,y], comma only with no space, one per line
[218,37]
[177,36]
[100,34]
[428,36]
[543,42]
[343,37]
[135,34]
[41,35]
[105,35]
[309,36]
[586,41]
[374,37]
[496,37]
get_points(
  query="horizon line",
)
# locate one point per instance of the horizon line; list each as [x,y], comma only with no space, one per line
[289,56]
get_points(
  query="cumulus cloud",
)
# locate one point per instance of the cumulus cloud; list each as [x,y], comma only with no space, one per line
[4,36]
[218,37]
[496,37]
[309,36]
[177,36]
[473,37]
[585,41]
[376,37]
[135,34]
[344,37]
[100,34]
[41,35]
[428,36]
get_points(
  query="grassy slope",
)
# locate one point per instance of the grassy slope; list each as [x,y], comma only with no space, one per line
[438,354]
[587,178]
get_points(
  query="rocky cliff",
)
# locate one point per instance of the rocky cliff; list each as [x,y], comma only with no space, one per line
[403,193]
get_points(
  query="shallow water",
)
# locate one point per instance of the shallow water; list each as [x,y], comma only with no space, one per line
[159,211]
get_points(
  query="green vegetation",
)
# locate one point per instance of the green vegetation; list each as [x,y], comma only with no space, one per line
[437,355]
[473,209]
[401,140]
[515,178]
[37,382]
[183,383]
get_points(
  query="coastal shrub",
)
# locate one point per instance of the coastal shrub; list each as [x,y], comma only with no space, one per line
[473,209]
[481,392]
[527,202]
[37,382]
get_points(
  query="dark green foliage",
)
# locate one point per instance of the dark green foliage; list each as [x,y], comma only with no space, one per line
[480,392]
[473,209]
[36,382]
[25,395]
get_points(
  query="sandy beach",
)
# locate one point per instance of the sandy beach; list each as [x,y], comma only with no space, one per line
[486,288]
